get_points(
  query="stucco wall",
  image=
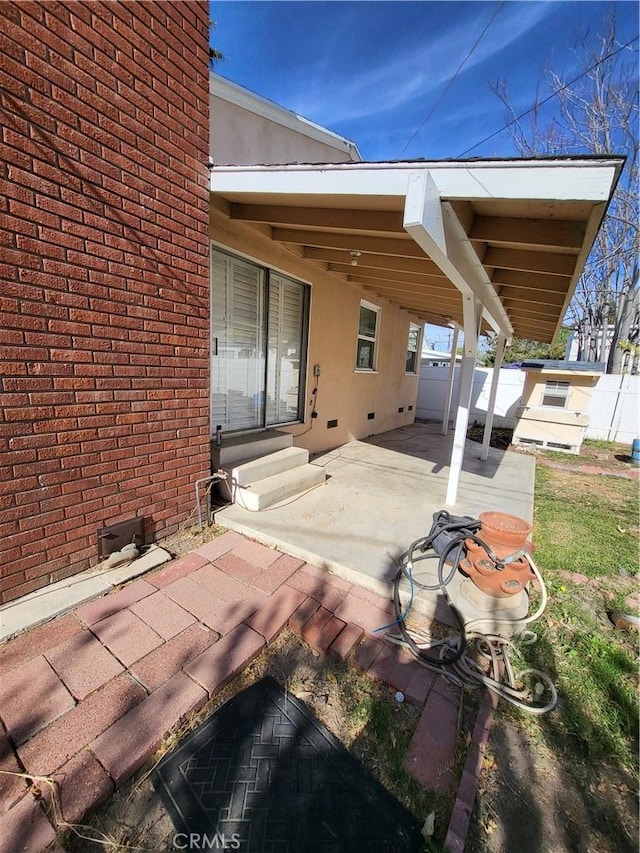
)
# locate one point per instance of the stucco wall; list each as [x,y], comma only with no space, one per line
[239,137]
[548,424]
[343,393]
[580,389]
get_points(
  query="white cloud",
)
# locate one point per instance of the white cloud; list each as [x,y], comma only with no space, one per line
[418,72]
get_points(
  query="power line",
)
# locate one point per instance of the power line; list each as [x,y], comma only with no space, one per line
[453,79]
[539,104]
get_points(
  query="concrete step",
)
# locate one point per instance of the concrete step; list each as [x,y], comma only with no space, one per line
[279,487]
[240,448]
[267,466]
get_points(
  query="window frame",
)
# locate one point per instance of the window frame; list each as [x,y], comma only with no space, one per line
[372,339]
[418,328]
[558,389]
[266,271]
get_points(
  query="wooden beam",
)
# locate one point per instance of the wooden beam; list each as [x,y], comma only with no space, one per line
[545,262]
[514,295]
[428,281]
[352,242]
[341,256]
[451,296]
[424,307]
[382,221]
[532,280]
[545,325]
[444,315]
[532,233]
[532,332]
[425,300]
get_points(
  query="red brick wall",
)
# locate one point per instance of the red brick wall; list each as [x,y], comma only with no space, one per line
[103,276]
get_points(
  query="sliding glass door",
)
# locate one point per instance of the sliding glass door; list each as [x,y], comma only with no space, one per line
[258,326]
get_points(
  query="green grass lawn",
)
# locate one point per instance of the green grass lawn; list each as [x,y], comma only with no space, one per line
[588,524]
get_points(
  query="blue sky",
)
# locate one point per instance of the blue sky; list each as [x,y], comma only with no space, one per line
[373,71]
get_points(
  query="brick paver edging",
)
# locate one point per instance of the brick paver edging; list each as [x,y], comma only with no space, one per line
[468,787]
[125,669]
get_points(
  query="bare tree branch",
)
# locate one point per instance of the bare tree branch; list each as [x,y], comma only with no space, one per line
[596,114]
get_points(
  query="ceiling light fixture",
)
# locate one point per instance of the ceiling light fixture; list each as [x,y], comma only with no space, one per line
[354,258]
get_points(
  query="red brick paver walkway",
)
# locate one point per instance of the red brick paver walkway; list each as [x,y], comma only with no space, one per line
[88,698]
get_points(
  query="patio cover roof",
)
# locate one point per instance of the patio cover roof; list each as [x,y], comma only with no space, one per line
[512,234]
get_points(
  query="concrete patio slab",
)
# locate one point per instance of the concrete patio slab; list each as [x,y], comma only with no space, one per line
[379,497]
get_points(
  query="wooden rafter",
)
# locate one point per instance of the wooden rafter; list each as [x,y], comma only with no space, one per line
[530,233]
[382,221]
[542,262]
[429,282]
[423,266]
[531,281]
[352,242]
[515,296]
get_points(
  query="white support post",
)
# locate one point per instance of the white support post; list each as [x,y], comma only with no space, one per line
[472,313]
[493,393]
[450,377]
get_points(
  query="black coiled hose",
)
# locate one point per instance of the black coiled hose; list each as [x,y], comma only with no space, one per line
[452,532]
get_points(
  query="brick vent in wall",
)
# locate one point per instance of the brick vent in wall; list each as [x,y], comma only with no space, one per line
[104,268]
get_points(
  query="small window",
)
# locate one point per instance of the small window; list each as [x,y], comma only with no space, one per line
[367,336]
[556,393]
[412,348]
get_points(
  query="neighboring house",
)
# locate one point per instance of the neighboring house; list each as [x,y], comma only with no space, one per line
[245,128]
[149,300]
[437,358]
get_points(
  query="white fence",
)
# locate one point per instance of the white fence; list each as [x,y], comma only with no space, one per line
[615,409]
[614,413]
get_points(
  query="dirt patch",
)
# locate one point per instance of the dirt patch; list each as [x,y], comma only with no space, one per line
[575,485]
[612,457]
[500,436]
[189,537]
[531,799]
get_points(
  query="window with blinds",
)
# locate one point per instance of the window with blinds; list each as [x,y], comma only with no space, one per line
[258,341]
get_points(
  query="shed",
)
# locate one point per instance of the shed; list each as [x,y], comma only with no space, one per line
[556,401]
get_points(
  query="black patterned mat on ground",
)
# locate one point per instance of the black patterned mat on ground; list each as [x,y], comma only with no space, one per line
[263,775]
